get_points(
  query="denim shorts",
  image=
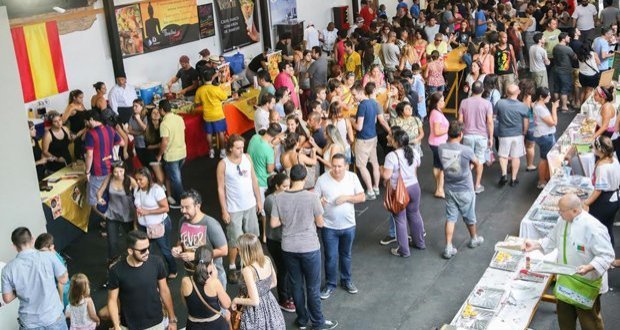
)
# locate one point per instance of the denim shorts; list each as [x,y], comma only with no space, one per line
[563,83]
[463,203]
[479,144]
[214,127]
[530,134]
[545,143]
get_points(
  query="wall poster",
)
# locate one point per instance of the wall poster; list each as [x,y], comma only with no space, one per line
[207,21]
[283,11]
[150,26]
[238,23]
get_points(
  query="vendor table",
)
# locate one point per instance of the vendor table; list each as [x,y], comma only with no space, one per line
[518,303]
[66,206]
[454,66]
[239,116]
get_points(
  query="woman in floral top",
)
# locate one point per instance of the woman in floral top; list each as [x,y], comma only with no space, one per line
[434,73]
[410,123]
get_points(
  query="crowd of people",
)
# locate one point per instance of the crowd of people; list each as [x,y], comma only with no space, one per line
[346,112]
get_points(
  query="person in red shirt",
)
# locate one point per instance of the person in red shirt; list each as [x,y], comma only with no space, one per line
[368,14]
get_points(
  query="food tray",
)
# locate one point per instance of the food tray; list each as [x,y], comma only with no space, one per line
[486,297]
[525,275]
[474,318]
[561,190]
[542,215]
[506,260]
[553,268]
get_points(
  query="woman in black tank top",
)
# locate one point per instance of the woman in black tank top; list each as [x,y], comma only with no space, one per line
[56,143]
[204,310]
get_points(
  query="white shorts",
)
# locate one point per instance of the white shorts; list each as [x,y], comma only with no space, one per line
[511,146]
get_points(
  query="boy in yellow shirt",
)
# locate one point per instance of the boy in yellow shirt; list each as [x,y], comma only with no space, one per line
[211,98]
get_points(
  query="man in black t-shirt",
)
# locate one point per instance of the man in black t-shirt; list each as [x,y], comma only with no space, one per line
[189,78]
[258,63]
[139,283]
[283,44]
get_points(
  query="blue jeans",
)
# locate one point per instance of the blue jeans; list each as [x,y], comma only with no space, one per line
[60,324]
[337,244]
[164,245]
[392,230]
[173,171]
[306,267]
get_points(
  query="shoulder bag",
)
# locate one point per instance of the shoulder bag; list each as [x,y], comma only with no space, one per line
[154,231]
[396,198]
[217,313]
[575,289]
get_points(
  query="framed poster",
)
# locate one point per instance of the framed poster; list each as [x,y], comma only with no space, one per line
[206,20]
[169,23]
[130,29]
[238,23]
[273,60]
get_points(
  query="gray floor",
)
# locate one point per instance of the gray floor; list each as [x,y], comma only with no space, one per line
[421,292]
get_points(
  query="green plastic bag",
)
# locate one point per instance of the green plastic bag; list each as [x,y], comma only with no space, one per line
[575,289]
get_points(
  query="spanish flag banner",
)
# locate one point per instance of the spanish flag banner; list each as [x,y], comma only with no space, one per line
[39,60]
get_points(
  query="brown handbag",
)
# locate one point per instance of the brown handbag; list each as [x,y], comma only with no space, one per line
[235,318]
[396,198]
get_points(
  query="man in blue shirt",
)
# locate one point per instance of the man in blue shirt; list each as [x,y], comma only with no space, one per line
[603,50]
[415,9]
[31,277]
[481,23]
[366,140]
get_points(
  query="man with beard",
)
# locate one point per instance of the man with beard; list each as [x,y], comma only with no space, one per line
[139,283]
[197,229]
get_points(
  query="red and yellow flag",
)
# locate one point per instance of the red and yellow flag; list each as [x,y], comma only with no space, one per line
[39,60]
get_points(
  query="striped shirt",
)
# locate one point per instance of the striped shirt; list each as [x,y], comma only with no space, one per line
[101,140]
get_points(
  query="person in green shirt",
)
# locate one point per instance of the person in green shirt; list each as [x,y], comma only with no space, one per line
[172,149]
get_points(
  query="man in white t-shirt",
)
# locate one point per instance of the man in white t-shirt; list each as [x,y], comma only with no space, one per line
[261,116]
[338,189]
[584,18]
[311,36]
[328,38]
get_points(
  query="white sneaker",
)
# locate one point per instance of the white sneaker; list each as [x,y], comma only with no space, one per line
[222,153]
[211,153]
[449,252]
[475,242]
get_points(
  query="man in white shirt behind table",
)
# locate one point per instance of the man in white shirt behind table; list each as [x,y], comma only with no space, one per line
[338,189]
[582,242]
[121,97]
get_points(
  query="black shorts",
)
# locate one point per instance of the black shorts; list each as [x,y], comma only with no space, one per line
[589,81]
[436,159]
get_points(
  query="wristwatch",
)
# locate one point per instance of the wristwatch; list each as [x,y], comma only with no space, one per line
[174,320]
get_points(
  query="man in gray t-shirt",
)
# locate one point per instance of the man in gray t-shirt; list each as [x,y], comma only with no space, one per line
[318,68]
[299,212]
[456,160]
[513,122]
[391,53]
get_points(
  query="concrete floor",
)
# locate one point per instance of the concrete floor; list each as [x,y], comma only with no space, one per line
[421,292]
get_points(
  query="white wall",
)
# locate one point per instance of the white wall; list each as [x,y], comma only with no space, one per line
[20,201]
[87,59]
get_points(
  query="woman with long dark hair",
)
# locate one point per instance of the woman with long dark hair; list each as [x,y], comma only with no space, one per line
[277,184]
[404,162]
[544,131]
[152,211]
[204,295]
[120,213]
[528,89]
[56,142]
[604,202]
[439,134]
[100,90]
[589,74]
[75,114]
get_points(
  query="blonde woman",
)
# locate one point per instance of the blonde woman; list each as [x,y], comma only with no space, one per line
[409,57]
[335,145]
[261,309]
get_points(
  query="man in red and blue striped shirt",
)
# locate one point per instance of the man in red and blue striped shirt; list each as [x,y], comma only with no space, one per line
[99,143]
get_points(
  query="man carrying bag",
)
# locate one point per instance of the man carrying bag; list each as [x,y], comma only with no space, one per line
[583,242]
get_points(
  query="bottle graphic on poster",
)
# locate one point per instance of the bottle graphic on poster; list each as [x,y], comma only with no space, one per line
[247,8]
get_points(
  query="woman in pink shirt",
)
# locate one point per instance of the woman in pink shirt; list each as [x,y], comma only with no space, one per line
[439,134]
[434,73]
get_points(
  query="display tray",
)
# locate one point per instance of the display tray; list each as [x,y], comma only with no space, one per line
[541,215]
[528,276]
[553,268]
[486,297]
[561,190]
[474,318]
[506,260]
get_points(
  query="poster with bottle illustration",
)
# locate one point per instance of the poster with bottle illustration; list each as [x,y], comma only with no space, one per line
[237,23]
